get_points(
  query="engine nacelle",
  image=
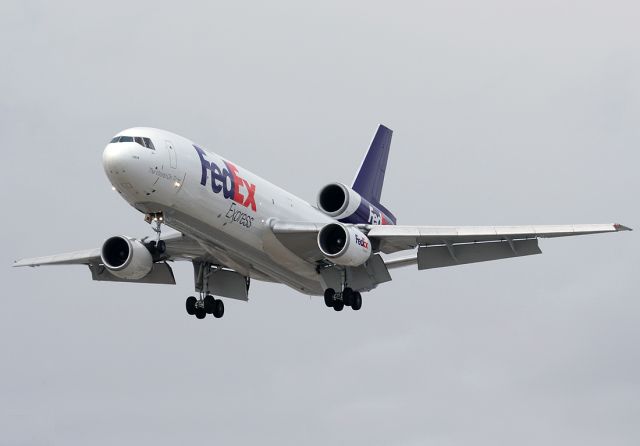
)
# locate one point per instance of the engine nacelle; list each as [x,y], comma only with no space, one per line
[346,205]
[344,245]
[126,258]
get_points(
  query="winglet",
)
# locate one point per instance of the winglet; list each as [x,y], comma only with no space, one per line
[619,227]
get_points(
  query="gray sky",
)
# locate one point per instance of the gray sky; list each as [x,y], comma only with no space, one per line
[503,113]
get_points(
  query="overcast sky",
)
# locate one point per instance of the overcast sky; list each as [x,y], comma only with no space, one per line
[503,113]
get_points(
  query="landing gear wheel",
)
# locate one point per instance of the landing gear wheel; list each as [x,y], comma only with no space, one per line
[191,305]
[357,301]
[329,297]
[218,309]
[161,246]
[209,304]
[338,305]
[347,296]
[200,313]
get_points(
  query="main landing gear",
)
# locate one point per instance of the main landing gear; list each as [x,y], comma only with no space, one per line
[205,305]
[347,298]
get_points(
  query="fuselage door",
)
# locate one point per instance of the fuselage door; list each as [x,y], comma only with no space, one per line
[173,161]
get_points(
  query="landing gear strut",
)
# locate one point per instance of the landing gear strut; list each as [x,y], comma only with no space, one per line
[156,219]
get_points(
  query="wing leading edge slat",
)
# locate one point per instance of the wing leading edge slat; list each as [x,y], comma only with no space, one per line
[85,257]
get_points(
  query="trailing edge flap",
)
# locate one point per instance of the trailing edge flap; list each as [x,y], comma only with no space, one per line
[428,257]
[222,282]
[439,256]
[161,273]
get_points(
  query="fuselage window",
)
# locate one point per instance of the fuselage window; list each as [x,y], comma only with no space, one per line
[126,139]
[139,140]
[114,140]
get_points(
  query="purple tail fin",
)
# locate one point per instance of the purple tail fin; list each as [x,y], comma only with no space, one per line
[370,177]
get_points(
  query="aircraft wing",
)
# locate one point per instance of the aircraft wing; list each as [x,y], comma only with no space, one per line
[400,238]
[86,257]
[439,246]
[179,247]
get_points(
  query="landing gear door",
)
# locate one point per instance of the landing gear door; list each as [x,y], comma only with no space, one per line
[173,160]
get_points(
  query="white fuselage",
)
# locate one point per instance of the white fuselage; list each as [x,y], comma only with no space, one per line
[226,208]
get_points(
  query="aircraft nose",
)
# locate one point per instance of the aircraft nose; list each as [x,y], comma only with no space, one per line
[126,165]
[140,173]
[114,158]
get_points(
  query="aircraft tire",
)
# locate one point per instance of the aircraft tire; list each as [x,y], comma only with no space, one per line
[329,297]
[218,309]
[200,313]
[209,303]
[191,305]
[347,296]
[161,247]
[338,305]
[357,301]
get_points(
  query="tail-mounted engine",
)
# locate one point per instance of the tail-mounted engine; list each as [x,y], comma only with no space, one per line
[126,258]
[346,205]
[344,245]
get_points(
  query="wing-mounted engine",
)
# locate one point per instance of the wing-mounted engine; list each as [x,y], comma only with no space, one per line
[346,205]
[344,245]
[126,258]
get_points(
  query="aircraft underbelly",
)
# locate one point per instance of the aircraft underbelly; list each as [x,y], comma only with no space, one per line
[244,255]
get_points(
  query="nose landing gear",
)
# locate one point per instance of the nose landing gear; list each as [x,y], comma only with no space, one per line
[155,220]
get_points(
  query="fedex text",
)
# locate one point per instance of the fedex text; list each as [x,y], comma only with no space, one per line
[228,181]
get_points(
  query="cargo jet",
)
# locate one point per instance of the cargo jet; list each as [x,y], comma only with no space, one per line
[234,226]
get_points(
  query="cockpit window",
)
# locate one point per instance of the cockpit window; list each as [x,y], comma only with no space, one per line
[148,143]
[144,142]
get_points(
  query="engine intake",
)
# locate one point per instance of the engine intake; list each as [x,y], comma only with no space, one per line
[334,199]
[126,258]
[346,205]
[344,245]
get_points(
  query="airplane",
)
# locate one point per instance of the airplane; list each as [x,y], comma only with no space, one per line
[234,227]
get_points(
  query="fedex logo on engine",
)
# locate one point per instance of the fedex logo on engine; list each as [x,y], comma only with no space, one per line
[227,181]
[362,242]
